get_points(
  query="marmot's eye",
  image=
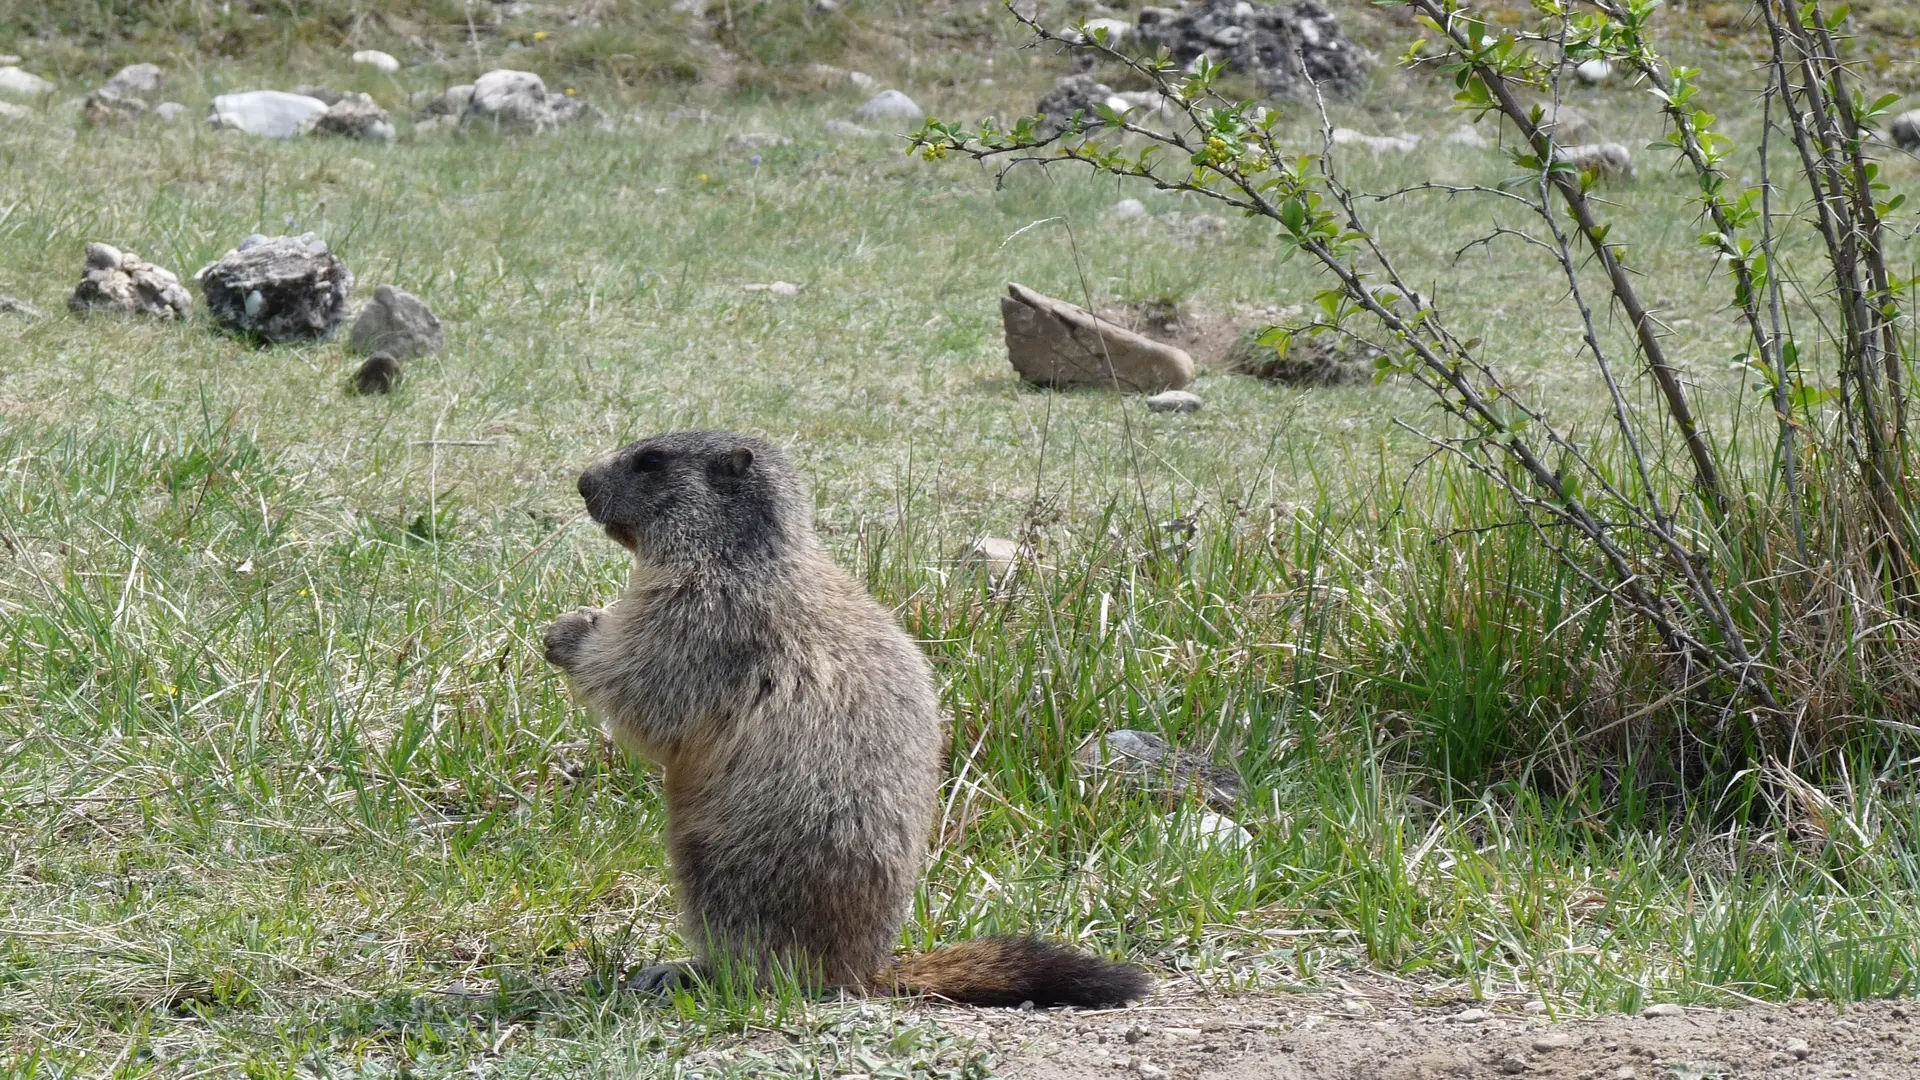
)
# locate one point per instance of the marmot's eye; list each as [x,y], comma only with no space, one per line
[651,461]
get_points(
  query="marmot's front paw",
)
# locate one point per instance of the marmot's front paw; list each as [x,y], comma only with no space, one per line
[568,633]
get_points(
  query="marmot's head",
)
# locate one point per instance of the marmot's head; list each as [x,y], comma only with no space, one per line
[699,497]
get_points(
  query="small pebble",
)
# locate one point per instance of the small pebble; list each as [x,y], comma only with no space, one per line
[1665,1008]
[1534,1007]
[777,288]
[1212,1025]
[1799,1048]
[1513,1064]
[1181,1032]
[1175,401]
[1135,1034]
[1625,1072]
[1472,1016]
[1127,210]
[1548,1041]
[1147,1070]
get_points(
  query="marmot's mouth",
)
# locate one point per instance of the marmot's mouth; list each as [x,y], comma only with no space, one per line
[623,536]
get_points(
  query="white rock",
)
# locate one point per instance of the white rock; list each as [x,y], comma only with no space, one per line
[1665,1008]
[863,80]
[889,107]
[759,140]
[1593,72]
[136,80]
[1118,30]
[995,556]
[1905,130]
[1471,1016]
[1175,401]
[849,129]
[270,114]
[1800,1048]
[1378,144]
[10,111]
[169,110]
[377,60]
[775,288]
[1207,829]
[1549,1041]
[1127,210]
[122,282]
[23,84]
[1468,135]
[8,58]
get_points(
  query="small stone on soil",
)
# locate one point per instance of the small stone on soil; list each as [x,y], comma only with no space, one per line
[1662,1009]
[1799,1048]
[1472,1016]
[1551,1040]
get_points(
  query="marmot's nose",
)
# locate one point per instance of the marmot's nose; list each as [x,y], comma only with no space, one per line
[588,486]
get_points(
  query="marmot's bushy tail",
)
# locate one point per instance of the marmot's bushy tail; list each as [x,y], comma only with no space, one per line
[1007,971]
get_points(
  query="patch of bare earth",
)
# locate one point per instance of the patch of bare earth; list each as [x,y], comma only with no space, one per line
[1313,1037]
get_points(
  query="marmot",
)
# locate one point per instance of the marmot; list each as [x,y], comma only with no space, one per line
[377,375]
[798,729]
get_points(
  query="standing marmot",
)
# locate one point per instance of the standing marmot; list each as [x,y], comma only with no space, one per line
[798,729]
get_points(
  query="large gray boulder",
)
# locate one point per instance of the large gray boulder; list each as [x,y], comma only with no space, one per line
[1053,343]
[354,116]
[890,109]
[1268,41]
[1905,130]
[1080,94]
[24,85]
[517,101]
[142,81]
[118,281]
[280,288]
[270,114]
[397,323]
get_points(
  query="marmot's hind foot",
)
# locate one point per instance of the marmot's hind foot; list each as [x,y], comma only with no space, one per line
[662,980]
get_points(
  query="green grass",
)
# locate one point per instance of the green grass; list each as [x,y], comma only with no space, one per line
[285,786]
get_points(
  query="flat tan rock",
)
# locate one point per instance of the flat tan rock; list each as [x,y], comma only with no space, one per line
[1053,343]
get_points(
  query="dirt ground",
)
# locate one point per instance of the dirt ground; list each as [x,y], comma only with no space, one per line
[1314,1038]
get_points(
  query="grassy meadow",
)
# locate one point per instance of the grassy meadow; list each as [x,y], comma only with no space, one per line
[286,789]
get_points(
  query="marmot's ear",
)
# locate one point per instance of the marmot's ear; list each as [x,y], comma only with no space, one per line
[736,461]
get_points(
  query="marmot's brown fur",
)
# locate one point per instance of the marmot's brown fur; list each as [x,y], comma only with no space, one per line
[798,729]
[378,375]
